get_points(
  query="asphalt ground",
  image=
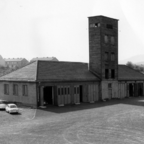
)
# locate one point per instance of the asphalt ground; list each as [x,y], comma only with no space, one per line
[111,122]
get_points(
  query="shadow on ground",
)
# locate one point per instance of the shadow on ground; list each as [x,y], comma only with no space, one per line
[138,101]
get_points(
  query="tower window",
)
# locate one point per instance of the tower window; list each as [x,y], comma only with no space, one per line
[112,40]
[112,73]
[95,25]
[106,56]
[109,26]
[109,85]
[106,73]
[106,38]
[112,56]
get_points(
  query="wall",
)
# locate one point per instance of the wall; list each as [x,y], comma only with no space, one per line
[90,92]
[24,62]
[109,93]
[122,89]
[28,100]
[95,45]
[2,62]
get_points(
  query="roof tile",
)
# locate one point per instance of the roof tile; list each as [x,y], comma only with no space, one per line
[126,73]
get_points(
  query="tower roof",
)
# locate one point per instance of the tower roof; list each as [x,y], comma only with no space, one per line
[102,17]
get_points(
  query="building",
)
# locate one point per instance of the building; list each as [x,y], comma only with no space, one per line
[2,62]
[44,58]
[15,63]
[62,83]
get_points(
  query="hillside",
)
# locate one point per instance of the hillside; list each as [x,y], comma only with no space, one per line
[138,59]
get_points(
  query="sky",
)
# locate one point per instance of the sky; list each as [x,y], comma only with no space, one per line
[59,28]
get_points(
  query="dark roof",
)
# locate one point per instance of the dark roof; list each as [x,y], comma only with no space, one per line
[27,73]
[102,17]
[46,71]
[52,71]
[126,73]
[64,71]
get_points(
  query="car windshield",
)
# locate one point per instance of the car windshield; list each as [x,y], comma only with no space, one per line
[12,106]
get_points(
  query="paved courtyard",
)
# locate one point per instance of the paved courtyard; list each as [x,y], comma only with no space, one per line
[111,122]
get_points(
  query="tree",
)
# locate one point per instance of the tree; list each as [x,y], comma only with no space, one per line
[135,67]
[130,64]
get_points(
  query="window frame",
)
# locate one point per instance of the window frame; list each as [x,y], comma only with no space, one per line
[113,73]
[112,56]
[109,26]
[106,39]
[25,90]
[106,73]
[6,89]
[15,89]
[112,39]
[106,55]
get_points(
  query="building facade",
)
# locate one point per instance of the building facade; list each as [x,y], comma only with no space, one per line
[103,53]
[15,63]
[59,83]
[44,58]
[2,62]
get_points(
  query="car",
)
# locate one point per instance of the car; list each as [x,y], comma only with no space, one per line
[12,108]
[3,104]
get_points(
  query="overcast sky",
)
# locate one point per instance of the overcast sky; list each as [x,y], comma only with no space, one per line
[59,28]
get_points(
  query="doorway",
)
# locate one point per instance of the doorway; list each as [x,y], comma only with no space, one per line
[140,89]
[109,90]
[48,95]
[131,89]
[81,93]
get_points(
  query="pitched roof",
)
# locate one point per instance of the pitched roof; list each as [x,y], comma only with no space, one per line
[45,58]
[51,71]
[64,71]
[126,73]
[27,73]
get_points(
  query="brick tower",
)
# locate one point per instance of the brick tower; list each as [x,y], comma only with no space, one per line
[103,53]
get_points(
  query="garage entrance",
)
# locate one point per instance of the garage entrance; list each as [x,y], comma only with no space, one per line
[48,95]
[131,90]
[81,94]
[140,89]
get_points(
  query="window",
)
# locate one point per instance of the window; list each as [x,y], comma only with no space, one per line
[112,40]
[58,91]
[95,25]
[109,26]
[106,38]
[74,90]
[15,89]
[78,90]
[6,89]
[68,90]
[109,85]
[112,56]
[62,92]
[106,56]
[25,90]
[106,73]
[112,73]
[65,90]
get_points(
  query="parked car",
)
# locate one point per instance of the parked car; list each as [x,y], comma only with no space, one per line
[12,108]
[3,104]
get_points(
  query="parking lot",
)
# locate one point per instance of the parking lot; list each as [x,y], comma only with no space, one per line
[111,122]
